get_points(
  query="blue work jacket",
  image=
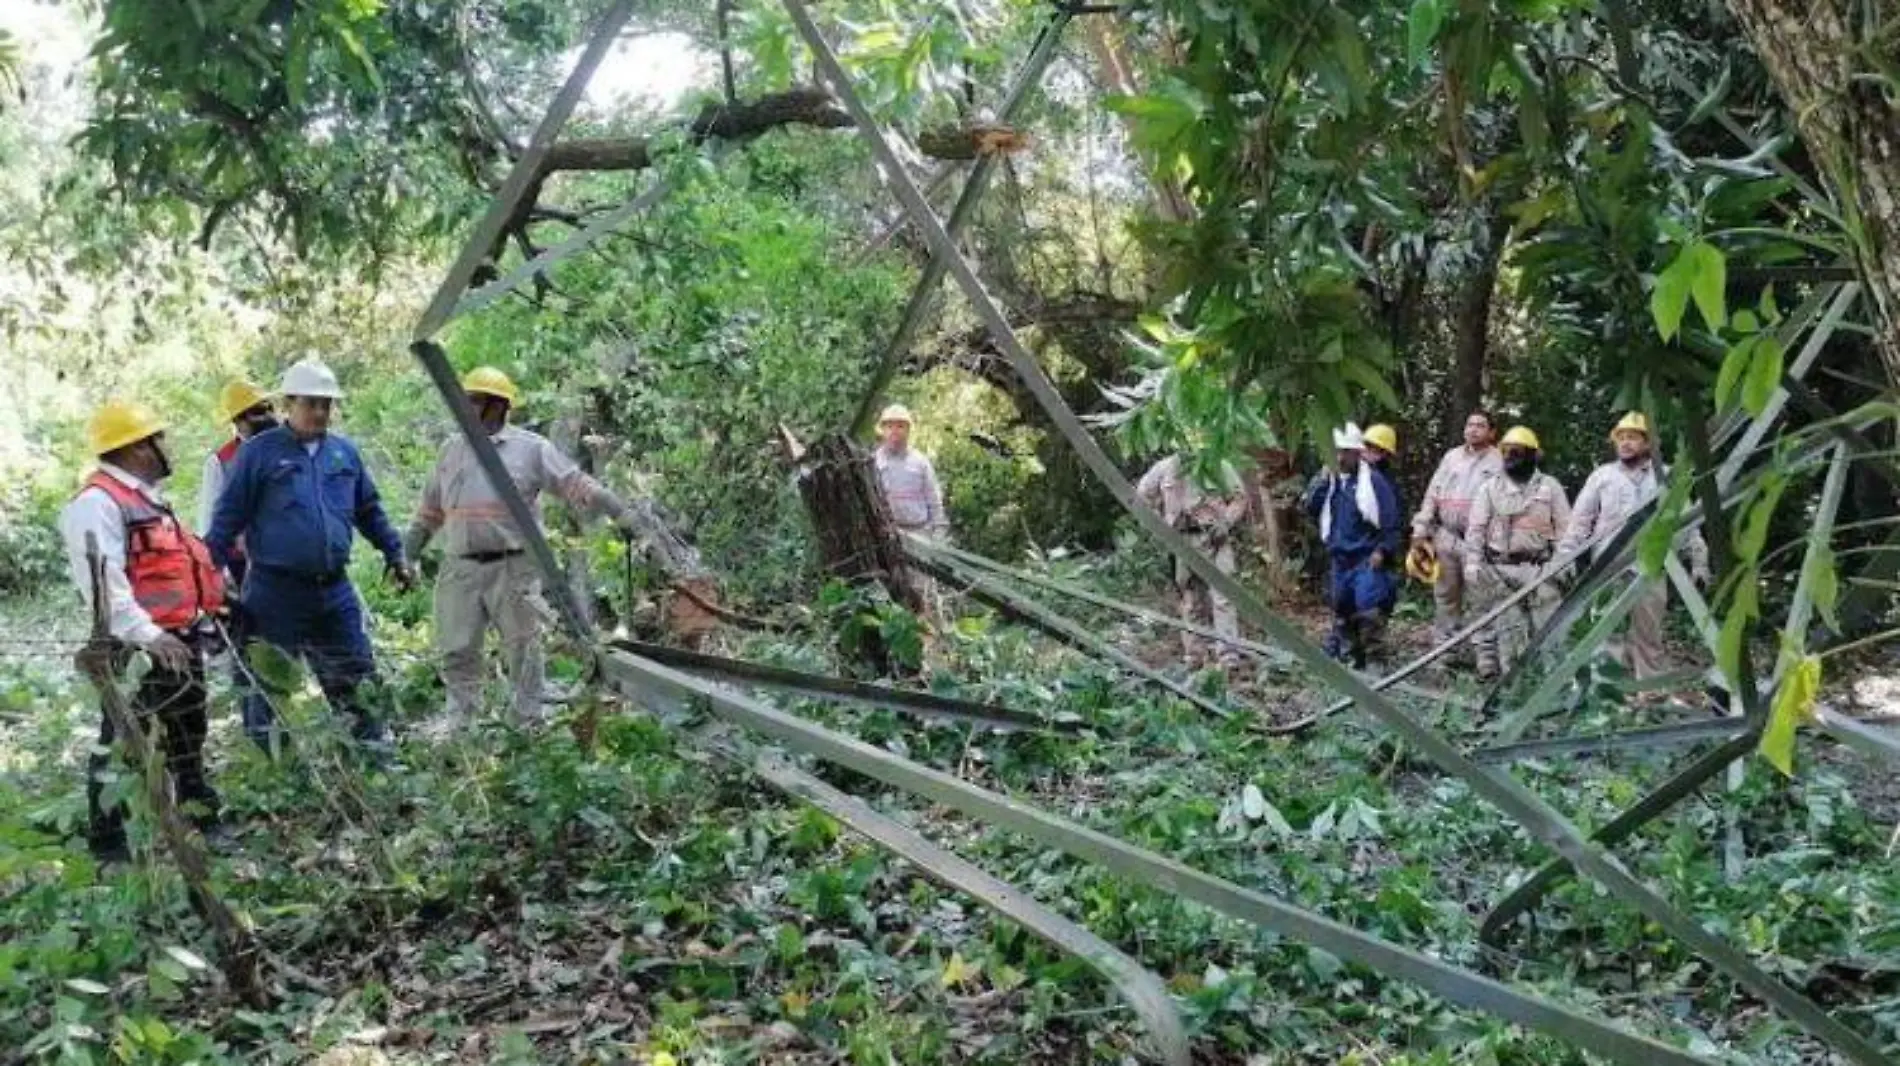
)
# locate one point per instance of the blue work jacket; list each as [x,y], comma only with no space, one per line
[297,510]
[1352,536]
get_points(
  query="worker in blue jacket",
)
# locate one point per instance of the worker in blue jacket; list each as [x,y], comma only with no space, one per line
[1361,522]
[297,494]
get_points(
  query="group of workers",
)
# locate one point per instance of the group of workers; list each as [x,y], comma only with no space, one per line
[1490,525]
[281,504]
[283,499]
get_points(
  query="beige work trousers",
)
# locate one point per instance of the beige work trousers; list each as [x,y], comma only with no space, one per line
[1201,605]
[1448,596]
[1641,648]
[1510,634]
[471,596]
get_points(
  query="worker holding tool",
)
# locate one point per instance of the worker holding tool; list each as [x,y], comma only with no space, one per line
[1211,519]
[162,590]
[1614,492]
[1515,522]
[487,577]
[908,480]
[249,412]
[1438,531]
[296,495]
[1359,519]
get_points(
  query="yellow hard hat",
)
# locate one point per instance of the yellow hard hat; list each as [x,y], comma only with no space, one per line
[237,397]
[487,381]
[118,423]
[1522,435]
[896,412]
[1384,438]
[1422,565]
[1635,421]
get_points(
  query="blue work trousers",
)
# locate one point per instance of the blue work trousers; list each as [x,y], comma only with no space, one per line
[1360,596]
[321,623]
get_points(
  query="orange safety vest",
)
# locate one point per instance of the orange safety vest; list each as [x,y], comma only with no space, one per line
[170,570]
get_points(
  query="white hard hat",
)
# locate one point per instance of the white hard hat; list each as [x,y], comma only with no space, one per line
[1349,438]
[309,377]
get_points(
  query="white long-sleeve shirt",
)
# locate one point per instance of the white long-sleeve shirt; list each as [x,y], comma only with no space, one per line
[92,511]
[911,489]
[209,488]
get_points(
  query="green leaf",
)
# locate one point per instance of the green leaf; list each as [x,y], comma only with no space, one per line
[1659,533]
[1728,644]
[1754,532]
[1421,28]
[1794,704]
[1734,364]
[1709,282]
[1824,583]
[297,61]
[353,45]
[1770,311]
[1765,362]
[86,986]
[1670,298]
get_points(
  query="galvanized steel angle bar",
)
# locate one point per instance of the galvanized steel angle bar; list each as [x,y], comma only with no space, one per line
[658,684]
[521,178]
[926,704]
[1653,805]
[925,292]
[919,546]
[599,227]
[1139,986]
[1524,806]
[1646,737]
[1550,688]
[1059,626]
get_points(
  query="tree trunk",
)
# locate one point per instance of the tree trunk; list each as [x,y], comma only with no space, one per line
[1471,346]
[1850,129]
[857,540]
[1118,76]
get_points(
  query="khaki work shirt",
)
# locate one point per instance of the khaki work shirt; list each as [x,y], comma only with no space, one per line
[460,501]
[1612,494]
[1168,488]
[1454,485]
[1516,522]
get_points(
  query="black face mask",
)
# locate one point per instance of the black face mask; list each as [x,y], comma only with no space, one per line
[164,461]
[259,423]
[1520,467]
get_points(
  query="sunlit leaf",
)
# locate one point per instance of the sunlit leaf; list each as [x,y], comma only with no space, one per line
[1794,704]
[1765,363]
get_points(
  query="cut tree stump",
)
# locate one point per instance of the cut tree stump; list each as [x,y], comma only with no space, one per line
[857,541]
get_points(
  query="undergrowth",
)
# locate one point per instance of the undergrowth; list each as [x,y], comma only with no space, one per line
[508,896]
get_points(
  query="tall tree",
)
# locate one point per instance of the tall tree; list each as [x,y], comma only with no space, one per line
[1833,61]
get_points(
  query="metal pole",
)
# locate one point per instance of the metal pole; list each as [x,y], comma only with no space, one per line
[925,294]
[522,178]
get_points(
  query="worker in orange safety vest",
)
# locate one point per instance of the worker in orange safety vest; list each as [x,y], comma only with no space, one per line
[162,590]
